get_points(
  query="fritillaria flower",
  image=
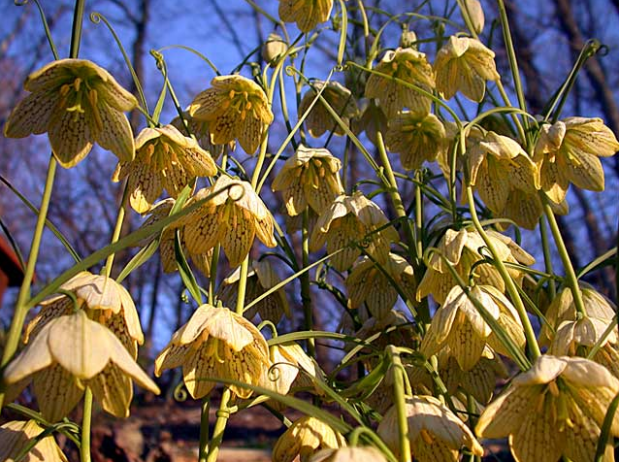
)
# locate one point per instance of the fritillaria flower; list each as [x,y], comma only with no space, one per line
[349,454]
[165,159]
[71,353]
[16,436]
[319,119]
[110,304]
[568,152]
[435,433]
[217,343]
[410,66]
[78,104]
[305,437]
[464,65]
[273,48]
[167,252]
[261,278]
[352,220]
[499,169]
[459,325]
[232,218]
[309,177]
[235,108]
[371,121]
[368,284]
[462,250]
[473,9]
[306,13]
[554,410]
[416,137]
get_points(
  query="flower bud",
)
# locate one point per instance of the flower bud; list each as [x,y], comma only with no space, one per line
[273,48]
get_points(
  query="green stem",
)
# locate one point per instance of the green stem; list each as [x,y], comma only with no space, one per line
[512,58]
[220,426]
[86,421]
[514,116]
[544,239]
[605,434]
[203,447]
[397,201]
[305,283]
[530,336]
[21,308]
[571,276]
[116,234]
[401,407]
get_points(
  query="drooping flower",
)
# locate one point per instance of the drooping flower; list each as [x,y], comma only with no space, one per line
[78,104]
[319,120]
[459,324]
[351,222]
[416,137]
[306,13]
[16,436]
[410,66]
[165,159]
[499,169]
[368,284]
[261,278]
[554,410]
[464,65]
[217,343]
[349,454]
[110,304]
[233,217]
[70,353]
[167,252]
[235,108]
[304,437]
[371,121]
[435,433]
[568,152]
[462,250]
[309,177]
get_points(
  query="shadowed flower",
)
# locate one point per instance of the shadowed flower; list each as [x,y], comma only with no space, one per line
[165,159]
[78,104]
[349,454]
[110,304]
[435,433]
[462,250]
[70,353]
[306,13]
[554,410]
[459,324]
[311,177]
[319,119]
[217,343]
[167,252]
[464,65]
[232,218]
[371,121]
[16,436]
[499,169]
[352,220]
[568,152]
[416,137]
[368,284]
[410,66]
[304,437]
[235,108]
[261,278]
